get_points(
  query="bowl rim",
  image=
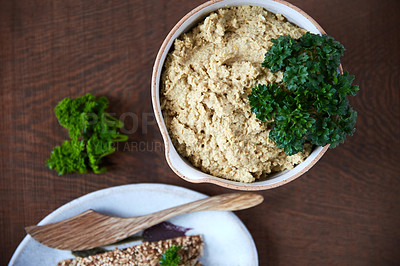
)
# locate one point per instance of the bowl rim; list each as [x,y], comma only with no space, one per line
[236,185]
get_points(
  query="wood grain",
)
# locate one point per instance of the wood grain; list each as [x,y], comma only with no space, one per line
[344,211]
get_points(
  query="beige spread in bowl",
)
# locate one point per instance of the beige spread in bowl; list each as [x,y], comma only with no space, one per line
[206,79]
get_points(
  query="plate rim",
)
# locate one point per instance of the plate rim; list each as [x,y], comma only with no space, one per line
[75,202]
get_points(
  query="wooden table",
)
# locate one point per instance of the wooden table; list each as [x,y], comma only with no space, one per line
[344,211]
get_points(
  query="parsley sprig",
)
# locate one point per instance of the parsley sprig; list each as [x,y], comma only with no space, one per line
[310,104]
[92,134]
[171,256]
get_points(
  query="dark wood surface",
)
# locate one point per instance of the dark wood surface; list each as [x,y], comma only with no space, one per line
[344,211]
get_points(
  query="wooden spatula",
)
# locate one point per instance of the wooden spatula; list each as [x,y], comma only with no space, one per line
[91,229]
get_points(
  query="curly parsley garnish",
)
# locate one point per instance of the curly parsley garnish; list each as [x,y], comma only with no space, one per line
[171,257]
[92,133]
[310,104]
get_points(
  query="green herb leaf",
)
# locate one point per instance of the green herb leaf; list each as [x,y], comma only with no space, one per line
[310,104]
[92,131]
[171,256]
[69,157]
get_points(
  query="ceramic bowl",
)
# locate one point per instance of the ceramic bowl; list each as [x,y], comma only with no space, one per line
[180,165]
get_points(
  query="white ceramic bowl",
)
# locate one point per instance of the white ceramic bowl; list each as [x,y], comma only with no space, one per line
[179,164]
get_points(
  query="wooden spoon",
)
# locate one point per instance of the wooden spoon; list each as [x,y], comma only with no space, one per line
[91,229]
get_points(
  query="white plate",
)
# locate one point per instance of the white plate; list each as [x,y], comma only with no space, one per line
[227,241]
